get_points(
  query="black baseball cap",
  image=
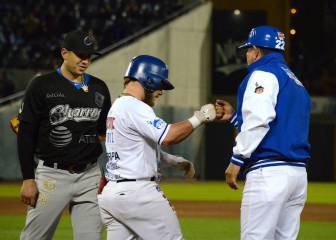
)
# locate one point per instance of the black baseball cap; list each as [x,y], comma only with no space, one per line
[80,42]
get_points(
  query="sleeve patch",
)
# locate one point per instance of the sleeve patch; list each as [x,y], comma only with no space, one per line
[157,123]
[258,88]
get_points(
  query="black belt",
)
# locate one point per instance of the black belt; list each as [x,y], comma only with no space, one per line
[71,168]
[280,158]
[133,180]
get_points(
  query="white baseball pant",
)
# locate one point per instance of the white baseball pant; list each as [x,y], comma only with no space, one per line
[272,203]
[137,209]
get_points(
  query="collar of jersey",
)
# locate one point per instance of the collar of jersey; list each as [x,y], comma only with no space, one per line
[86,78]
[271,57]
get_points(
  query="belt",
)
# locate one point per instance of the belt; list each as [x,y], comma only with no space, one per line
[133,180]
[71,168]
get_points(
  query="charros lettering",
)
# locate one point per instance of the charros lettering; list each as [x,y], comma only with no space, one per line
[63,113]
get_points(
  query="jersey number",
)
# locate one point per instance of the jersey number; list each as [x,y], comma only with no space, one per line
[280,44]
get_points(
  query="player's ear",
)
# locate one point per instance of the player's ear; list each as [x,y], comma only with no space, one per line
[258,52]
[64,52]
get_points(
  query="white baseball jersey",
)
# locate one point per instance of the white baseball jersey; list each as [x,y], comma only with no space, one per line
[133,137]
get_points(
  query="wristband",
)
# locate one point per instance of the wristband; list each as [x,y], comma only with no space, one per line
[194,122]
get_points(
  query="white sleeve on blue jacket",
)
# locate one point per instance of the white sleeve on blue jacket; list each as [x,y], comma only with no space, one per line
[258,110]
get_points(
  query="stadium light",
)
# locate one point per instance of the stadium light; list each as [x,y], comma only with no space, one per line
[236,12]
[293,11]
[292,31]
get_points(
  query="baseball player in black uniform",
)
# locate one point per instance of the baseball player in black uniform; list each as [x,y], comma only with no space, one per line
[61,120]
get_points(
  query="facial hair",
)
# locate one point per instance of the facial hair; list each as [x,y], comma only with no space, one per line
[149,99]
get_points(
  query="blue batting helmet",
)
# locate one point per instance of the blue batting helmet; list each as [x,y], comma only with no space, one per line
[265,37]
[150,71]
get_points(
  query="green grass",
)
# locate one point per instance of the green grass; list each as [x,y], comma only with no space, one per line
[10,189]
[11,226]
[209,191]
[322,193]
[228,229]
[201,191]
[193,229]
[219,191]
[210,228]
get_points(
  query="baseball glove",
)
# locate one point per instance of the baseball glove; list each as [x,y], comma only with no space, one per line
[14,124]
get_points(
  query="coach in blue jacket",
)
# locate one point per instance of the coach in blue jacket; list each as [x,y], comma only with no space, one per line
[272,119]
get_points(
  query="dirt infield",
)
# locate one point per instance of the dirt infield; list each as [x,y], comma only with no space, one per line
[311,212]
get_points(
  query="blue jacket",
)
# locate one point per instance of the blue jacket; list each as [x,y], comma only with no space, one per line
[272,117]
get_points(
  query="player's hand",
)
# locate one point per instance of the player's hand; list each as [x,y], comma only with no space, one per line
[101,137]
[102,184]
[207,113]
[224,110]
[178,162]
[29,192]
[186,166]
[231,175]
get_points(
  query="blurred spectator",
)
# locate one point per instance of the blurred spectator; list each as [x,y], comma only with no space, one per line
[7,87]
[28,27]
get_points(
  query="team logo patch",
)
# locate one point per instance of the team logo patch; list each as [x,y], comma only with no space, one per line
[49,185]
[88,40]
[281,36]
[157,123]
[252,33]
[99,99]
[85,88]
[258,89]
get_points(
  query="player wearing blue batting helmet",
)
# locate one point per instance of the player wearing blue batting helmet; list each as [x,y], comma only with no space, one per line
[265,37]
[150,71]
[272,120]
[132,150]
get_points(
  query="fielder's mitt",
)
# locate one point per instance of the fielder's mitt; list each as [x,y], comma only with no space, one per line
[14,123]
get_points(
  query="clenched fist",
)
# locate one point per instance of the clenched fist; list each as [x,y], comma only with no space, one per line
[224,110]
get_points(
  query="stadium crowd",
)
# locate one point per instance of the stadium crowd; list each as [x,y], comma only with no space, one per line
[30,29]
[30,32]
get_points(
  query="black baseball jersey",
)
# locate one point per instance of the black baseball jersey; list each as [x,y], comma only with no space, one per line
[68,117]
